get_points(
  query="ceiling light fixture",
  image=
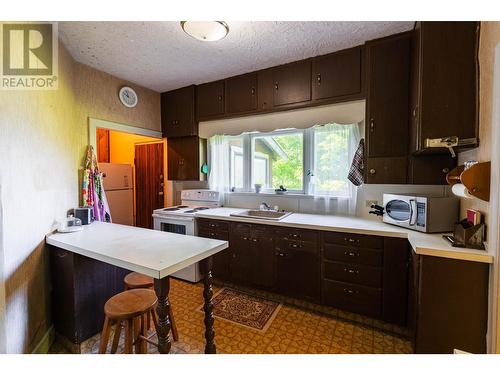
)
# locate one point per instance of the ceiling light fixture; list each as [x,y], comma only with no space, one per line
[206,31]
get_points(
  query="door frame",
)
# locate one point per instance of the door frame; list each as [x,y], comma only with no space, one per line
[95,123]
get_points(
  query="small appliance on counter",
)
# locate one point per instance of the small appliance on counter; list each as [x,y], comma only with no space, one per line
[70,224]
[421,212]
[85,214]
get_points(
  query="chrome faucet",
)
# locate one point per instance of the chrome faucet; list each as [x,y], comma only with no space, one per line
[264,207]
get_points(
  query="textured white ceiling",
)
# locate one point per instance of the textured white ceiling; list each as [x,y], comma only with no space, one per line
[160,56]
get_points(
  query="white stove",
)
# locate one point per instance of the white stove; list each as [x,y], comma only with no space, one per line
[180,219]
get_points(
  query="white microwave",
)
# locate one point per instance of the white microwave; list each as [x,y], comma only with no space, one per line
[424,213]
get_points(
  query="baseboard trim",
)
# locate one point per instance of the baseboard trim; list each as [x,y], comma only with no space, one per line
[44,344]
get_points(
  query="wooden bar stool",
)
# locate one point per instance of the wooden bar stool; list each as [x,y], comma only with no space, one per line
[131,307]
[136,280]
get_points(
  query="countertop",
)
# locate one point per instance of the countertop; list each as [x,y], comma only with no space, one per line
[422,243]
[150,252]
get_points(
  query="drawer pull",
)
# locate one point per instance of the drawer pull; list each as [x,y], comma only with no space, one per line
[350,291]
[244,238]
[350,270]
[254,239]
[294,245]
[212,225]
[351,253]
[212,234]
[351,240]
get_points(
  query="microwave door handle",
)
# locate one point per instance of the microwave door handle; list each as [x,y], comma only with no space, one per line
[413,211]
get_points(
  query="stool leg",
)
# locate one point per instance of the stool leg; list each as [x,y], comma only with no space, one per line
[175,334]
[116,337]
[128,336]
[105,336]
[137,331]
[144,333]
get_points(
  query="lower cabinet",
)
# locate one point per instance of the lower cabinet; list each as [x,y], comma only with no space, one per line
[358,273]
[448,304]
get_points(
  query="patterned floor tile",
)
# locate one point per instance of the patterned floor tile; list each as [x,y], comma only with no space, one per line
[296,329]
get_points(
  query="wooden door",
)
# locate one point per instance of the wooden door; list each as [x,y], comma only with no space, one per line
[388,96]
[178,112]
[210,99]
[292,83]
[241,93]
[338,74]
[102,145]
[149,182]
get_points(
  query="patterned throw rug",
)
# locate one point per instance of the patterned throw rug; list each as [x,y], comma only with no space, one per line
[244,309]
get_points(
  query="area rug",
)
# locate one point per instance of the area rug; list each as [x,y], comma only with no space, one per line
[244,309]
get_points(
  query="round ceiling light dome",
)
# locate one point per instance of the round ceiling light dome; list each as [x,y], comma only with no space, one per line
[207,31]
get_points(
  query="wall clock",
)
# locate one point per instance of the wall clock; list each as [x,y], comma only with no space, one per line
[128,97]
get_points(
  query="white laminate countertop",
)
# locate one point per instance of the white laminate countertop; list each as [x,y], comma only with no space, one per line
[422,243]
[150,252]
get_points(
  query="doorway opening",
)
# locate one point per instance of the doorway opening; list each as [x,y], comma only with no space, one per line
[133,161]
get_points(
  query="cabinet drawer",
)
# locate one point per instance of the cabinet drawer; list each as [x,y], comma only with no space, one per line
[218,235]
[297,234]
[357,240]
[351,297]
[355,255]
[204,224]
[292,245]
[353,273]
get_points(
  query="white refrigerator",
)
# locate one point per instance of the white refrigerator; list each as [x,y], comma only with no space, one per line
[119,187]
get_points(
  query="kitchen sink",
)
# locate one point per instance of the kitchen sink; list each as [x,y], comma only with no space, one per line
[262,214]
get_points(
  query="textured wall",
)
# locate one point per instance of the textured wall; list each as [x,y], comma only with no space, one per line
[43,135]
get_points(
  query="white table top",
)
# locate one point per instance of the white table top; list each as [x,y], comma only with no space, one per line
[150,252]
[422,243]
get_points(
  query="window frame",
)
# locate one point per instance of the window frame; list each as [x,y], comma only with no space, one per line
[248,140]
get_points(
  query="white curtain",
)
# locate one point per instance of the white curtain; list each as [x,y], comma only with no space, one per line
[218,175]
[333,151]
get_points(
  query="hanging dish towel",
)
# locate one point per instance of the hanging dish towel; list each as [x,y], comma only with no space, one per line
[93,194]
[356,172]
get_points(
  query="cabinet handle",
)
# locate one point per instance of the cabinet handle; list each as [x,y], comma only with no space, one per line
[351,240]
[220,98]
[293,235]
[181,161]
[276,86]
[245,238]
[372,171]
[350,291]
[446,170]
[212,234]
[318,79]
[255,239]
[372,125]
[350,270]
[351,253]
[211,225]
[253,91]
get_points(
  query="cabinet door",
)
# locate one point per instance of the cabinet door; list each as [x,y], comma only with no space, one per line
[265,90]
[241,93]
[210,100]
[387,103]
[430,169]
[297,272]
[448,57]
[263,252]
[292,83]
[185,156]
[221,261]
[338,74]
[243,260]
[177,113]
[386,170]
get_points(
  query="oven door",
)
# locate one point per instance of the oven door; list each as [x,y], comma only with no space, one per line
[174,224]
[400,210]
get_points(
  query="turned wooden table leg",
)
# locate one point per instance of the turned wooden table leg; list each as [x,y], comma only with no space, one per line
[208,306]
[162,287]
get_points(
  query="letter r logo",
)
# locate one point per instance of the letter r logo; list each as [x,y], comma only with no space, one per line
[27,49]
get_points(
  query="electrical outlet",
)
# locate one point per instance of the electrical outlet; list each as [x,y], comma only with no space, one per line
[369,203]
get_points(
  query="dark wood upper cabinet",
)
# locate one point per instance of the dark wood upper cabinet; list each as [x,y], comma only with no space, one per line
[387,109]
[430,169]
[178,112]
[210,100]
[241,93]
[444,94]
[292,83]
[338,74]
[265,90]
[388,96]
[186,155]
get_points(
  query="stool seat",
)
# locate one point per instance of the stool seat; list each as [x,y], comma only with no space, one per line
[130,304]
[136,280]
